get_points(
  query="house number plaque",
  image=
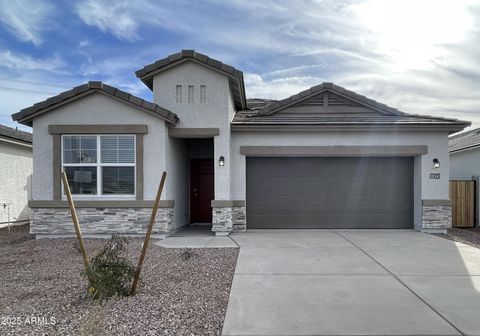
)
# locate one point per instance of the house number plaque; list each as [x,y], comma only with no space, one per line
[435,176]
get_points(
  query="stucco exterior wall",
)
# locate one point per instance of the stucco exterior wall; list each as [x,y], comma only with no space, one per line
[465,164]
[424,187]
[15,180]
[97,109]
[215,113]
[177,170]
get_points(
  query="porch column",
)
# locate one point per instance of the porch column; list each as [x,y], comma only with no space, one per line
[222,222]
[436,205]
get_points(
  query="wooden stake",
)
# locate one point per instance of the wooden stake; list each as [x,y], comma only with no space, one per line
[148,234]
[73,212]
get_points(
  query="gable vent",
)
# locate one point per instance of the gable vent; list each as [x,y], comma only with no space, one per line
[314,101]
[334,100]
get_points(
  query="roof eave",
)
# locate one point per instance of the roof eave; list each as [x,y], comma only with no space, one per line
[464,149]
[15,141]
[451,128]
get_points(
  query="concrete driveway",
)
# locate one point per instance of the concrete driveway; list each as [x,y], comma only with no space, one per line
[372,282]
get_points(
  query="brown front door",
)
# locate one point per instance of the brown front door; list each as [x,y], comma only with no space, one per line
[201,190]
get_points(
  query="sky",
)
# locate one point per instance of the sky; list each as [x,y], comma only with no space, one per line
[420,56]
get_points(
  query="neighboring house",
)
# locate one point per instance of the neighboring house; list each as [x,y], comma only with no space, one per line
[464,151]
[323,158]
[15,175]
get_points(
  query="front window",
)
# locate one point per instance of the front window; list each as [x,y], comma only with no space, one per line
[99,164]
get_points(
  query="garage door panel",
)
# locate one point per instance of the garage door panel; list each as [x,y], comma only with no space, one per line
[334,185]
[333,167]
[322,221]
[369,202]
[292,184]
[348,204]
[285,202]
[329,192]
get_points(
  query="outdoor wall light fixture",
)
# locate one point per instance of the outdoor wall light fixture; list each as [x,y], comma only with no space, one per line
[221,161]
[436,163]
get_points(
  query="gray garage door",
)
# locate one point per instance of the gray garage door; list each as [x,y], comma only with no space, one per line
[330,192]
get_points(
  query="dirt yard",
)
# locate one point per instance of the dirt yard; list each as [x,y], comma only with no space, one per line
[43,292]
[466,236]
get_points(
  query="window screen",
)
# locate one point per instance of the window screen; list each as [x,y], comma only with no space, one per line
[100,164]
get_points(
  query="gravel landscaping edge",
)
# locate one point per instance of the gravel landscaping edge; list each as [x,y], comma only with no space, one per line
[181,292]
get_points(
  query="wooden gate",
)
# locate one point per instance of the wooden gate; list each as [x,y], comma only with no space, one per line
[462,194]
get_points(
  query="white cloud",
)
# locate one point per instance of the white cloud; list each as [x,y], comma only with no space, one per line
[277,88]
[12,60]
[84,43]
[109,16]
[423,61]
[26,19]
[27,89]
[419,57]
[123,18]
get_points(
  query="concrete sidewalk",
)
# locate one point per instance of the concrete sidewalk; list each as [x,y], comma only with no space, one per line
[369,282]
[196,242]
[194,236]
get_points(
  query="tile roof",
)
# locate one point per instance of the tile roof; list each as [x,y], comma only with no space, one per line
[272,108]
[25,116]
[15,134]
[235,76]
[266,115]
[258,103]
[465,140]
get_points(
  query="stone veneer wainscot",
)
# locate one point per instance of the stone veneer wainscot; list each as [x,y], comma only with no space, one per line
[228,216]
[436,217]
[99,221]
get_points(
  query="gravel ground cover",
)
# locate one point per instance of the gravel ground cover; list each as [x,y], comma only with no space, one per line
[466,236]
[182,292]
[17,234]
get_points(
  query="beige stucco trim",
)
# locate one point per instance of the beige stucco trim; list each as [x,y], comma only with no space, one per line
[193,132]
[346,128]
[433,202]
[227,203]
[93,129]
[101,204]
[302,151]
[57,155]
[139,166]
[57,166]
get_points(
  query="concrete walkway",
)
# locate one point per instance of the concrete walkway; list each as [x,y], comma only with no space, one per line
[371,282]
[196,237]
[196,242]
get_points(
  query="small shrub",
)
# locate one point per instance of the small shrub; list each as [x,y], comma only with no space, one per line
[110,273]
[186,254]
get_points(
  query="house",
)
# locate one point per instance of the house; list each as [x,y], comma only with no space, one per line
[15,175]
[464,151]
[323,158]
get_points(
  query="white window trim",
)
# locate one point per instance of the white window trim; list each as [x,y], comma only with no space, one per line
[99,166]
